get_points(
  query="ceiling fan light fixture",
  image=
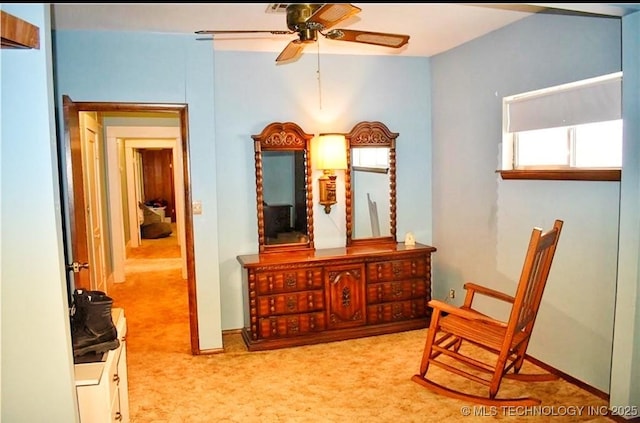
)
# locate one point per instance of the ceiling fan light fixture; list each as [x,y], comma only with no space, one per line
[308,35]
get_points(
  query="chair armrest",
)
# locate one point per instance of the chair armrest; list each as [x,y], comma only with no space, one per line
[472,288]
[465,313]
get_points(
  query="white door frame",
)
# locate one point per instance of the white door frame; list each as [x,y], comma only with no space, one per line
[142,137]
[134,194]
[91,146]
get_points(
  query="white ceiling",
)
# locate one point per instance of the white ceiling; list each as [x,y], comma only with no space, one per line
[433,27]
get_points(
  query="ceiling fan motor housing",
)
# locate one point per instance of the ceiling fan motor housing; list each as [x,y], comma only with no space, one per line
[297,16]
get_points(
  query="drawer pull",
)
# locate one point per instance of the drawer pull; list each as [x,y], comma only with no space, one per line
[397,290]
[396,269]
[292,303]
[270,280]
[290,280]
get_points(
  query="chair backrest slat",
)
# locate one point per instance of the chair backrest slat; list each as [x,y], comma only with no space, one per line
[533,279]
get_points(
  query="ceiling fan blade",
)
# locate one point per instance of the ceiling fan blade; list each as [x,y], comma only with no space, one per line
[368,37]
[293,50]
[249,31]
[330,14]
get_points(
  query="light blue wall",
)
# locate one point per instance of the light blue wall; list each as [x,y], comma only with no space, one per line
[625,380]
[37,363]
[251,91]
[482,223]
[155,68]
[232,95]
[28,130]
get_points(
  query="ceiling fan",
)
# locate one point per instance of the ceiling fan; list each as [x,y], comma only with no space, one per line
[308,20]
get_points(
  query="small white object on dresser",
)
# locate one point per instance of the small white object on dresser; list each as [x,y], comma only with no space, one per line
[103,393]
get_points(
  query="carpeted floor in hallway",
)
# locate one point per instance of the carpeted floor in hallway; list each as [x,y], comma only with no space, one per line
[360,380]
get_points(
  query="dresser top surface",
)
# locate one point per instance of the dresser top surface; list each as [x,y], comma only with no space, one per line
[326,254]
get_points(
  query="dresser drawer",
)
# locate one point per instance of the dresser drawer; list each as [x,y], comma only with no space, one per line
[289,280]
[393,312]
[291,325]
[394,270]
[297,302]
[396,291]
[112,373]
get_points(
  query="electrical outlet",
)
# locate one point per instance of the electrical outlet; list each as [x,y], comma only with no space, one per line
[452,293]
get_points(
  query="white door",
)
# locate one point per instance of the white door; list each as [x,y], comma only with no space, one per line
[91,144]
[135,193]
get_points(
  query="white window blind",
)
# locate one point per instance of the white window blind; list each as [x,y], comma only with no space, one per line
[592,100]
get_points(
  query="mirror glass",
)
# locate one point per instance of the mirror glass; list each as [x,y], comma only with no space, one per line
[285,192]
[283,188]
[370,184]
[370,187]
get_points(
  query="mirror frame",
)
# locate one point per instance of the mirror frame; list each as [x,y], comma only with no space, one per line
[371,134]
[283,136]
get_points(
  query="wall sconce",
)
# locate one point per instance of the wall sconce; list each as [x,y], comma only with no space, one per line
[330,154]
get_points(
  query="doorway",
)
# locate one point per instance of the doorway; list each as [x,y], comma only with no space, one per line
[126,147]
[116,220]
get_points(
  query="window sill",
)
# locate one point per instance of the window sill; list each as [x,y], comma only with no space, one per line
[563,174]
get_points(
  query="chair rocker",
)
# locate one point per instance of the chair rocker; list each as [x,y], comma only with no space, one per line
[507,341]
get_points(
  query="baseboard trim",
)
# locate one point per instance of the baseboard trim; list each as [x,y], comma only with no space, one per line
[211,351]
[570,379]
[580,384]
[220,350]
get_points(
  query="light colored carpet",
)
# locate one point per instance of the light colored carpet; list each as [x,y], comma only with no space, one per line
[361,380]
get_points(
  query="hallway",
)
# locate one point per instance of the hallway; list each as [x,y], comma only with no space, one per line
[154,298]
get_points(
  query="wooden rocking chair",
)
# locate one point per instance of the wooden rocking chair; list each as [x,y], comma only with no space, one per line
[508,341]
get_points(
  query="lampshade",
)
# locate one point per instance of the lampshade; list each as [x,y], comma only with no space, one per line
[330,152]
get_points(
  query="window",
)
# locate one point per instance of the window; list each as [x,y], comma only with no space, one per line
[572,131]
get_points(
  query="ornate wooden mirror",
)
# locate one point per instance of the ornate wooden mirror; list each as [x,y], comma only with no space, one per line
[370,184]
[283,188]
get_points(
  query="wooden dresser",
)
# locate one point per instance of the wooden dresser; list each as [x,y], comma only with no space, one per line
[323,295]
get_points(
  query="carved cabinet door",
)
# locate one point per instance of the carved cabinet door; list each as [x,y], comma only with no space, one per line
[345,291]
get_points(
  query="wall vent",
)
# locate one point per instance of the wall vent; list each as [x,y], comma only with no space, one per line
[277,8]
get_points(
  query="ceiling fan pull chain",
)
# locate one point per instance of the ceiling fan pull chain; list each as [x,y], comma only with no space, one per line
[319,81]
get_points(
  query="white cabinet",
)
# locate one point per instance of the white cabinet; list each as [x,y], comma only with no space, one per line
[103,394]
